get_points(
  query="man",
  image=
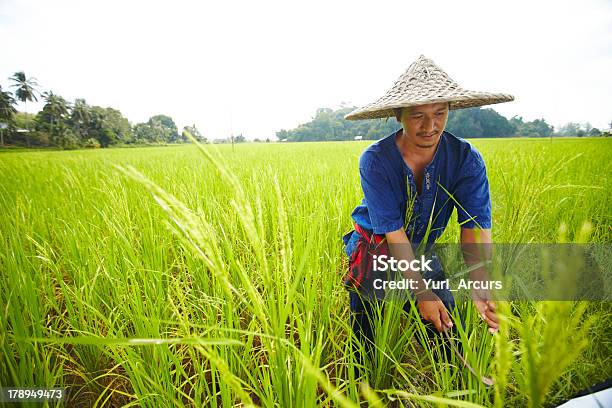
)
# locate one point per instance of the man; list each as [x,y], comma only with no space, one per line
[412,180]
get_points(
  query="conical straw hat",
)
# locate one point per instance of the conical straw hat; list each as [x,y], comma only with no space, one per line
[422,83]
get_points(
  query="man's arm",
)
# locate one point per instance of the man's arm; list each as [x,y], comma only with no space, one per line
[476,247]
[430,307]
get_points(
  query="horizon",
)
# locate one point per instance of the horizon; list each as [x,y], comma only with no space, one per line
[262,139]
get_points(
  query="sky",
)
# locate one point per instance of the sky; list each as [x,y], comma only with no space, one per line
[255,67]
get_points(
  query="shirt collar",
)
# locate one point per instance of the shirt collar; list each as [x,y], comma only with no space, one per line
[398,155]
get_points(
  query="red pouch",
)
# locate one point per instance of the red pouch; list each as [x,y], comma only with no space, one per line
[360,274]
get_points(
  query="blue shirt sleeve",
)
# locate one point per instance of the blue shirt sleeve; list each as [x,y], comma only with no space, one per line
[385,215]
[472,194]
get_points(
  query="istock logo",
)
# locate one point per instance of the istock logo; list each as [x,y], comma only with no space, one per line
[383,263]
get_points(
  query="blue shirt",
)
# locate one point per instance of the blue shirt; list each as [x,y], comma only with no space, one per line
[389,190]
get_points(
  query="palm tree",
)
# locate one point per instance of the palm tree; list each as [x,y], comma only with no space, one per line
[25,91]
[54,114]
[81,115]
[55,106]
[7,110]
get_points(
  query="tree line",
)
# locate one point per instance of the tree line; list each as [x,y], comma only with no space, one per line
[328,124]
[71,125]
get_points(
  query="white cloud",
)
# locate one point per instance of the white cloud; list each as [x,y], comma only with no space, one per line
[269,65]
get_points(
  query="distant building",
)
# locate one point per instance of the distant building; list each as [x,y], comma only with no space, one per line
[358,137]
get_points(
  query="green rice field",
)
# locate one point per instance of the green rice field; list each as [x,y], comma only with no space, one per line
[211,276]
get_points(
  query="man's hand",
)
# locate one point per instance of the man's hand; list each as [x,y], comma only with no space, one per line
[429,305]
[433,310]
[486,309]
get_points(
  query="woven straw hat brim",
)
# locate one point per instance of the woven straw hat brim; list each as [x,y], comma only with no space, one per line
[469,99]
[424,83]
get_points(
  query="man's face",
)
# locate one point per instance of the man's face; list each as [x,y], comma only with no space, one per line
[423,125]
